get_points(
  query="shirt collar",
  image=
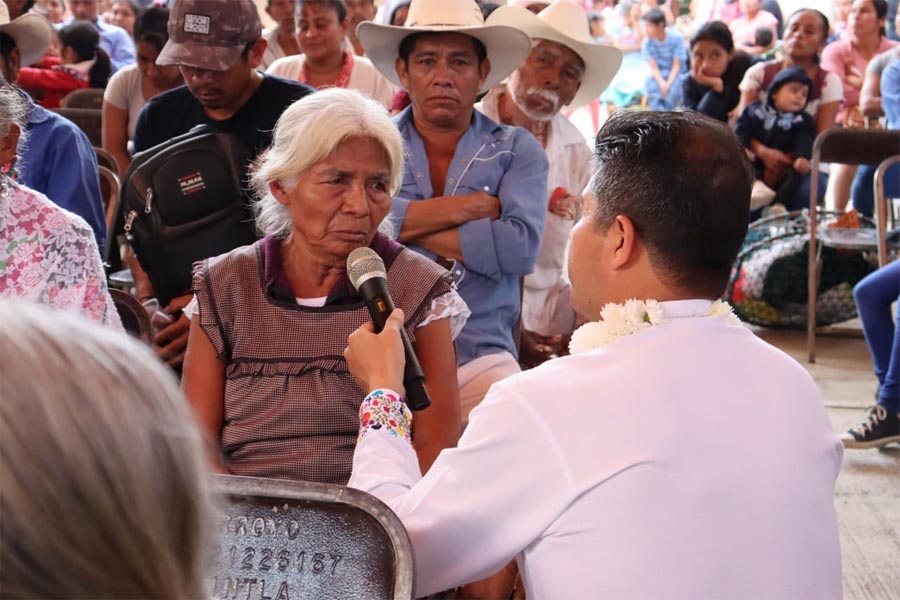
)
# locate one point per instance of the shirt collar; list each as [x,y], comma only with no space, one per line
[36,113]
[276,281]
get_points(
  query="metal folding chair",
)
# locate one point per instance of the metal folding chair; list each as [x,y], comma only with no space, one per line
[284,539]
[845,146]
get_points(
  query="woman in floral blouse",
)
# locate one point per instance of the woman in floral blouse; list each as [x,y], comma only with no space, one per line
[47,254]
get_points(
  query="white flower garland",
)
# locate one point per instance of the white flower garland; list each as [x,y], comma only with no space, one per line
[619,320]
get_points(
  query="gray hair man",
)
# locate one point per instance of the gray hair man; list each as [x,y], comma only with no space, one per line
[564,69]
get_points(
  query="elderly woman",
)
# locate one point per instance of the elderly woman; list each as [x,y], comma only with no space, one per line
[47,254]
[264,368]
[102,477]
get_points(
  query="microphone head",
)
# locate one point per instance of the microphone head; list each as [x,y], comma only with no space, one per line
[364,264]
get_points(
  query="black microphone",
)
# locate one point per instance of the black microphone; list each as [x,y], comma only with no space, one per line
[369,276]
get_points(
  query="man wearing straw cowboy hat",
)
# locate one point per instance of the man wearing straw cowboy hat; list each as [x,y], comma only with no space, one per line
[474,191]
[565,69]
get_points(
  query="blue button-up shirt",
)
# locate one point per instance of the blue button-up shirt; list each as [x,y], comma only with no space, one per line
[506,162]
[58,160]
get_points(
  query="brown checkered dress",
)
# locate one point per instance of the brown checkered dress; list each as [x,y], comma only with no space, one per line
[290,402]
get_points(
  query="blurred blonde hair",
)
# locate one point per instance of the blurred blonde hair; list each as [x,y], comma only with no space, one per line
[308,132]
[103,485]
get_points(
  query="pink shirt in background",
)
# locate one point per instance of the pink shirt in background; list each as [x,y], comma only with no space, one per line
[843,58]
[744,30]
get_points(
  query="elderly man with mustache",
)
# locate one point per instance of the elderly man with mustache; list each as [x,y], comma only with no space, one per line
[564,69]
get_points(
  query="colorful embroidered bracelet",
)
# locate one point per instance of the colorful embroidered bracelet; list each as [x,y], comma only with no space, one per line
[385,409]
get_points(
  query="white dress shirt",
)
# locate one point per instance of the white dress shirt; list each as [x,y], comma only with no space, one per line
[689,460]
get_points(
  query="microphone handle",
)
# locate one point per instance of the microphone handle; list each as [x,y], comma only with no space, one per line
[380,305]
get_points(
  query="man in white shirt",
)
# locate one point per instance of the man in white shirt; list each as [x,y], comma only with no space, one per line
[672,455]
[564,69]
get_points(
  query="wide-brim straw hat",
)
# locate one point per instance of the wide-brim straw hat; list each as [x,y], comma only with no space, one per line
[506,46]
[566,24]
[32,34]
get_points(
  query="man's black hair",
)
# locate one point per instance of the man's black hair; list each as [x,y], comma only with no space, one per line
[684,181]
[337,6]
[409,44]
[7,44]
[655,16]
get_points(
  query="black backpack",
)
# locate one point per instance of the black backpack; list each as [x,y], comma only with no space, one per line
[184,201]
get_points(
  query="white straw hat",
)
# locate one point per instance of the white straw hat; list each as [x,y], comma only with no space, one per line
[31,32]
[506,47]
[566,24]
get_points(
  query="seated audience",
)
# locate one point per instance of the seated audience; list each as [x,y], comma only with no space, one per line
[47,254]
[841,15]
[717,68]
[847,58]
[125,14]
[804,39]
[474,192]
[102,483]
[58,160]
[780,124]
[280,40]
[744,28]
[628,84]
[664,52]
[287,408]
[53,10]
[326,61]
[550,470]
[83,64]
[132,87]
[564,69]
[114,40]
[224,90]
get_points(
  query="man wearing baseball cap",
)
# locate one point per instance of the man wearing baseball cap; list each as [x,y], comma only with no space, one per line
[564,69]
[218,46]
[474,191]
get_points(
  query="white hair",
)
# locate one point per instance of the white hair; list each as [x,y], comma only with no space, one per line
[103,479]
[13,111]
[309,131]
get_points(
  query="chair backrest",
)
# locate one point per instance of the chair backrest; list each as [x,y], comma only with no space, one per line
[89,120]
[106,159]
[84,98]
[283,539]
[135,319]
[109,190]
[856,146]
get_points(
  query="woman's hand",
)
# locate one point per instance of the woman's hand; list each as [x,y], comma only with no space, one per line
[376,360]
[711,82]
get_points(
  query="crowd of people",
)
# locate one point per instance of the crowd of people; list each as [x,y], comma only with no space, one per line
[438,135]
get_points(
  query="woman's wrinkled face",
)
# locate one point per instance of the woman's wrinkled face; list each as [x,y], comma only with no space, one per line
[338,203]
[804,35]
[711,58]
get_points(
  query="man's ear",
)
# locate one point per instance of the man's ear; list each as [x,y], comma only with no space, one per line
[402,69]
[484,69]
[625,239]
[255,56]
[13,65]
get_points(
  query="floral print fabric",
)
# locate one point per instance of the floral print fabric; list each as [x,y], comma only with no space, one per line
[385,409]
[49,256]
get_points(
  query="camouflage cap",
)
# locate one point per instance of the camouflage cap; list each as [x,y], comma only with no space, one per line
[210,34]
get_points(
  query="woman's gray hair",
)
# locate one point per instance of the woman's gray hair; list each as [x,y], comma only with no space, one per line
[13,111]
[308,132]
[103,478]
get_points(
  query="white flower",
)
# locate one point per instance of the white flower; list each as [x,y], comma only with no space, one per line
[619,320]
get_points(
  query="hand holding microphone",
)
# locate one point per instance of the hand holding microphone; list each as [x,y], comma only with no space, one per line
[376,359]
[368,275]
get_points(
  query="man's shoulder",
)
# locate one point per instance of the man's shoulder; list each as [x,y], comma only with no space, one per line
[56,129]
[280,90]
[175,99]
